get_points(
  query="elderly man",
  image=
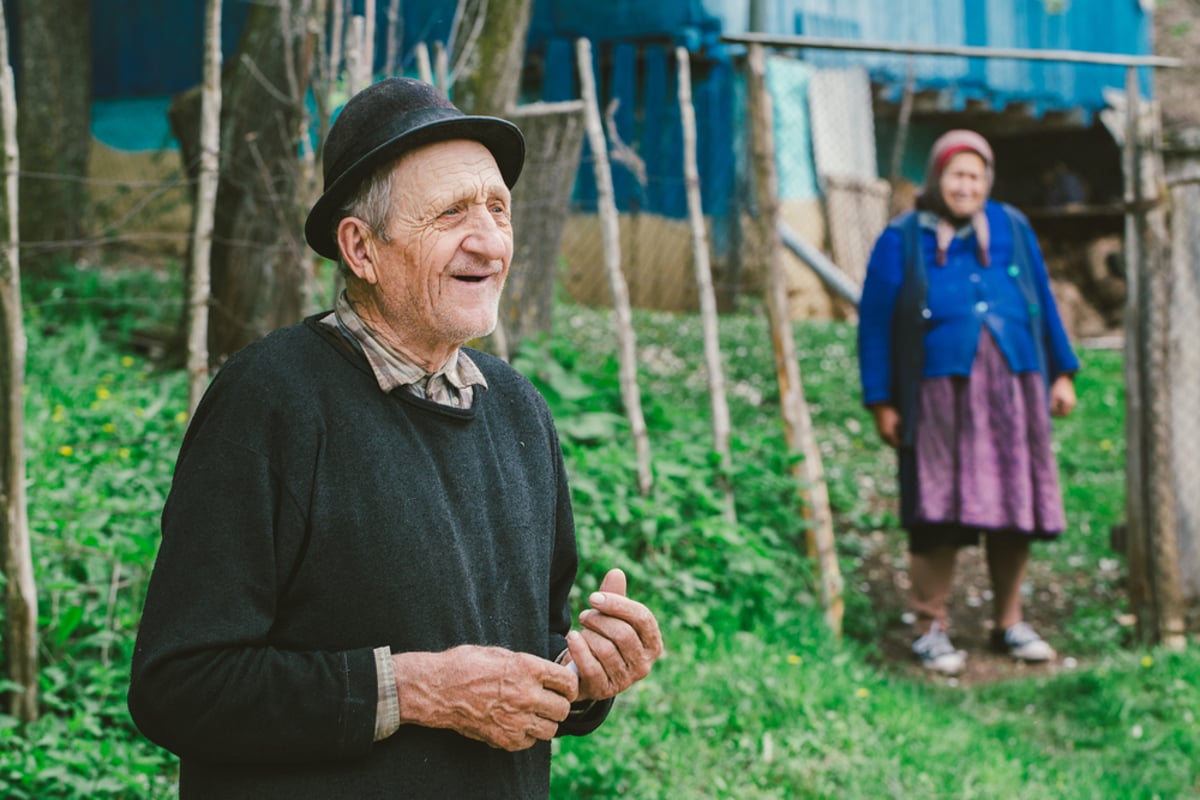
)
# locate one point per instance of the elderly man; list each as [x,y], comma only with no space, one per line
[362,587]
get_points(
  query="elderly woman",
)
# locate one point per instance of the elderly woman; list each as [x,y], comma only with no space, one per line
[963,357]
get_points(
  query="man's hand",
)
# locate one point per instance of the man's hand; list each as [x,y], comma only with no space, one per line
[619,643]
[505,699]
[887,423]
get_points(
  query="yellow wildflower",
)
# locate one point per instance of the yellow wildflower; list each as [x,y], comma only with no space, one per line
[66,451]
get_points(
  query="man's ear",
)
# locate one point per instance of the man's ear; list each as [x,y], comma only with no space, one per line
[358,248]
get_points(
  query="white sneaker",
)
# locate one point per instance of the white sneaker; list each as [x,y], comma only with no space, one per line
[1022,642]
[937,653]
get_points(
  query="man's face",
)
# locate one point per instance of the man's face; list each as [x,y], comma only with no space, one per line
[450,245]
[964,183]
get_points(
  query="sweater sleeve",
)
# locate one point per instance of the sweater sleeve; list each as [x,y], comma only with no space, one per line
[587,717]
[209,681]
[876,309]
[1061,358]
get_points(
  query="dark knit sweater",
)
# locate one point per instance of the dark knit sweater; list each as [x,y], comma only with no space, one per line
[313,518]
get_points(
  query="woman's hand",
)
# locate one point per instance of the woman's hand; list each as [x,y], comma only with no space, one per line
[1062,395]
[887,423]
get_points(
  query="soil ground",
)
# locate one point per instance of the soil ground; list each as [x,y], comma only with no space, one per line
[885,571]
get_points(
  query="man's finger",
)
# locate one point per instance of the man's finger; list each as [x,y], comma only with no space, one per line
[614,582]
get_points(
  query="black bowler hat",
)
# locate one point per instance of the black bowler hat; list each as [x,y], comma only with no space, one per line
[386,120]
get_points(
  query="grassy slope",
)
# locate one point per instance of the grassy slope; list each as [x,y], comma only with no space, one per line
[752,701]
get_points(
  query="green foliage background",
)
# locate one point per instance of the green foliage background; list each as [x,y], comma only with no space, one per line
[753,699]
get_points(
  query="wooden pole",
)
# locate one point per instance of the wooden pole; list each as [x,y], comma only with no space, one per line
[704,284]
[610,227]
[424,64]
[441,67]
[797,423]
[355,55]
[337,23]
[1159,441]
[1139,576]
[395,35]
[368,41]
[20,590]
[200,286]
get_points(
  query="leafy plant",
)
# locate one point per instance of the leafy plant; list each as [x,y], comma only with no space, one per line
[753,698]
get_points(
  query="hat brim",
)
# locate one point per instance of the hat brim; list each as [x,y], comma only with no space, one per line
[499,136]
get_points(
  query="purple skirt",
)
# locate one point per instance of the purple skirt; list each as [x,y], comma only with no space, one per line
[983,456]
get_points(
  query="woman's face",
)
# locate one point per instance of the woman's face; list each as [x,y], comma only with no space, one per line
[964,183]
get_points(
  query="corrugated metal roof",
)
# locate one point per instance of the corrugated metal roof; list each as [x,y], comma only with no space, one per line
[1108,26]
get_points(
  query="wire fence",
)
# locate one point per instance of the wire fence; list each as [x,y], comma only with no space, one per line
[848,158]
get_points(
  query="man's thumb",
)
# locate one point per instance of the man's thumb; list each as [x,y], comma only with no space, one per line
[614,582]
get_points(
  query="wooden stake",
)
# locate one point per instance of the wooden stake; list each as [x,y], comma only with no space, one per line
[368,42]
[704,284]
[610,228]
[424,65]
[20,591]
[200,286]
[395,36]
[797,423]
[355,55]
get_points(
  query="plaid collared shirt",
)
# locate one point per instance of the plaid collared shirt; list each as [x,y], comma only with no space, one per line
[449,386]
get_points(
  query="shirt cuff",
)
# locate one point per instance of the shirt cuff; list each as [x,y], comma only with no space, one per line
[387,709]
[580,707]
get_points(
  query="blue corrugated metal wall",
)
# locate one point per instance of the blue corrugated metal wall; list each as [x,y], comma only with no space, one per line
[147,48]
[643,79]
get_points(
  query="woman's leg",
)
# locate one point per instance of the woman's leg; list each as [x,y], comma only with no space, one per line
[932,574]
[1007,561]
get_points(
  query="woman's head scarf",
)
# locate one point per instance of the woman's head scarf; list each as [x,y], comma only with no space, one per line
[948,145]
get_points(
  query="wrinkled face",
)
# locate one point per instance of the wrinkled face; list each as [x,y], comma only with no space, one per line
[450,243]
[964,183]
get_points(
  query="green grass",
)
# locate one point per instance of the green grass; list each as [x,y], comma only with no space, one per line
[753,699]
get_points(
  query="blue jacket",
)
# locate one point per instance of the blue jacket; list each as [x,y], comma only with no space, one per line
[962,296]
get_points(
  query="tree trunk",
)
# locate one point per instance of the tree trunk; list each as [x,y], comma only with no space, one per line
[20,591]
[488,57]
[54,128]
[260,262]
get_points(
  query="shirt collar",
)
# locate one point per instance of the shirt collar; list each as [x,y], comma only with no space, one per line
[392,369]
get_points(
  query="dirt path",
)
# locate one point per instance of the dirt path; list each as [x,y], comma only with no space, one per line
[885,570]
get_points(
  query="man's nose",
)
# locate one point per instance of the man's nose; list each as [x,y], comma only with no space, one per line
[486,237]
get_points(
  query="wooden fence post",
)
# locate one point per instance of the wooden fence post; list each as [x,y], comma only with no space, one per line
[797,423]
[704,284]
[200,284]
[20,591]
[610,226]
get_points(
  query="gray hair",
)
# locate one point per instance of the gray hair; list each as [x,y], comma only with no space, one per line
[371,203]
